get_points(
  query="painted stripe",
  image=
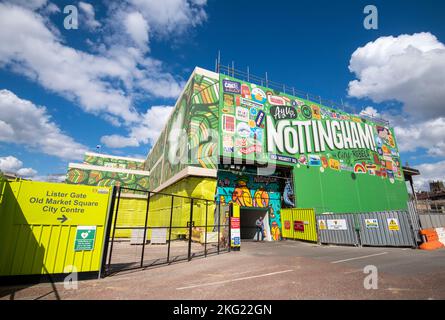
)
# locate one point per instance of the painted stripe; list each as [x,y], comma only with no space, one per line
[108,156]
[441,235]
[106,169]
[362,257]
[233,280]
[157,162]
[187,171]
[207,73]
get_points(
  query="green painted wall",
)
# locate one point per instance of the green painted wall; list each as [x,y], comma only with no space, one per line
[186,138]
[113,162]
[335,192]
[33,239]
[365,176]
[107,178]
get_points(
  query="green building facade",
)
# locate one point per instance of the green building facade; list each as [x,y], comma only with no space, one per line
[329,160]
[234,141]
[107,170]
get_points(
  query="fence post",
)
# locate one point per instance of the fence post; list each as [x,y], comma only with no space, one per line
[145,229]
[107,232]
[190,231]
[114,226]
[357,229]
[205,233]
[229,240]
[219,223]
[170,229]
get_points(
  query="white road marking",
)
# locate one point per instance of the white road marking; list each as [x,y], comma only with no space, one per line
[401,289]
[355,271]
[233,280]
[362,257]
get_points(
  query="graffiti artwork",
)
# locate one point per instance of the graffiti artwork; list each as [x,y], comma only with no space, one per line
[299,128]
[189,130]
[107,179]
[252,191]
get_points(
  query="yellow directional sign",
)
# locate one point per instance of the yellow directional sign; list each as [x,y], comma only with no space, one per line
[54,203]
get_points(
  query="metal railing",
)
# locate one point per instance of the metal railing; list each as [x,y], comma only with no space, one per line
[290,90]
[179,217]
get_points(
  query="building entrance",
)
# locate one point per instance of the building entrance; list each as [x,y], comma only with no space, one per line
[248,218]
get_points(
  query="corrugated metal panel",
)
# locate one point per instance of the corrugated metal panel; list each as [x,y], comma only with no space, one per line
[390,228]
[44,249]
[304,218]
[415,221]
[33,241]
[432,220]
[329,235]
[132,211]
[286,223]
[307,216]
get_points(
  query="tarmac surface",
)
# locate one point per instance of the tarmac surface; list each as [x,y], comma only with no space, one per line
[268,270]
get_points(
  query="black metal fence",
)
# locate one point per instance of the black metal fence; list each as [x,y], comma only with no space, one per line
[147,229]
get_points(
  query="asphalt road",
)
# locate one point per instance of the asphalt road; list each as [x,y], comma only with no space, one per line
[277,270]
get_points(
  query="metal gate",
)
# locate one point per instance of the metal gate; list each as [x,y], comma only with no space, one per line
[388,228]
[339,228]
[299,224]
[147,229]
[415,221]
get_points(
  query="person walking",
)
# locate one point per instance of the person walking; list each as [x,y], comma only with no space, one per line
[260,228]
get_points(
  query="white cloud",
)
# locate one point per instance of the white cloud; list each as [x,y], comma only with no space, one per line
[34,51]
[89,15]
[370,111]
[408,68]
[51,8]
[152,123]
[429,172]
[146,132]
[171,16]
[51,178]
[31,4]
[137,27]
[412,134]
[102,84]
[13,165]
[22,122]
[108,82]
[10,164]
[117,141]
[429,135]
[26,172]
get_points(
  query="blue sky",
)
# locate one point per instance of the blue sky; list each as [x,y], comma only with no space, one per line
[113,80]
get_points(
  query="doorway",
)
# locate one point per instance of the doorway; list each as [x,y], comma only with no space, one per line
[248,217]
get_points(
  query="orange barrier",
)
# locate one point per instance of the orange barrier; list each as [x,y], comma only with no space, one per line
[431,240]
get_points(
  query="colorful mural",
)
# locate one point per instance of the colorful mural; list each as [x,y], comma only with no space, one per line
[187,138]
[249,190]
[261,124]
[104,161]
[106,178]
[328,149]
